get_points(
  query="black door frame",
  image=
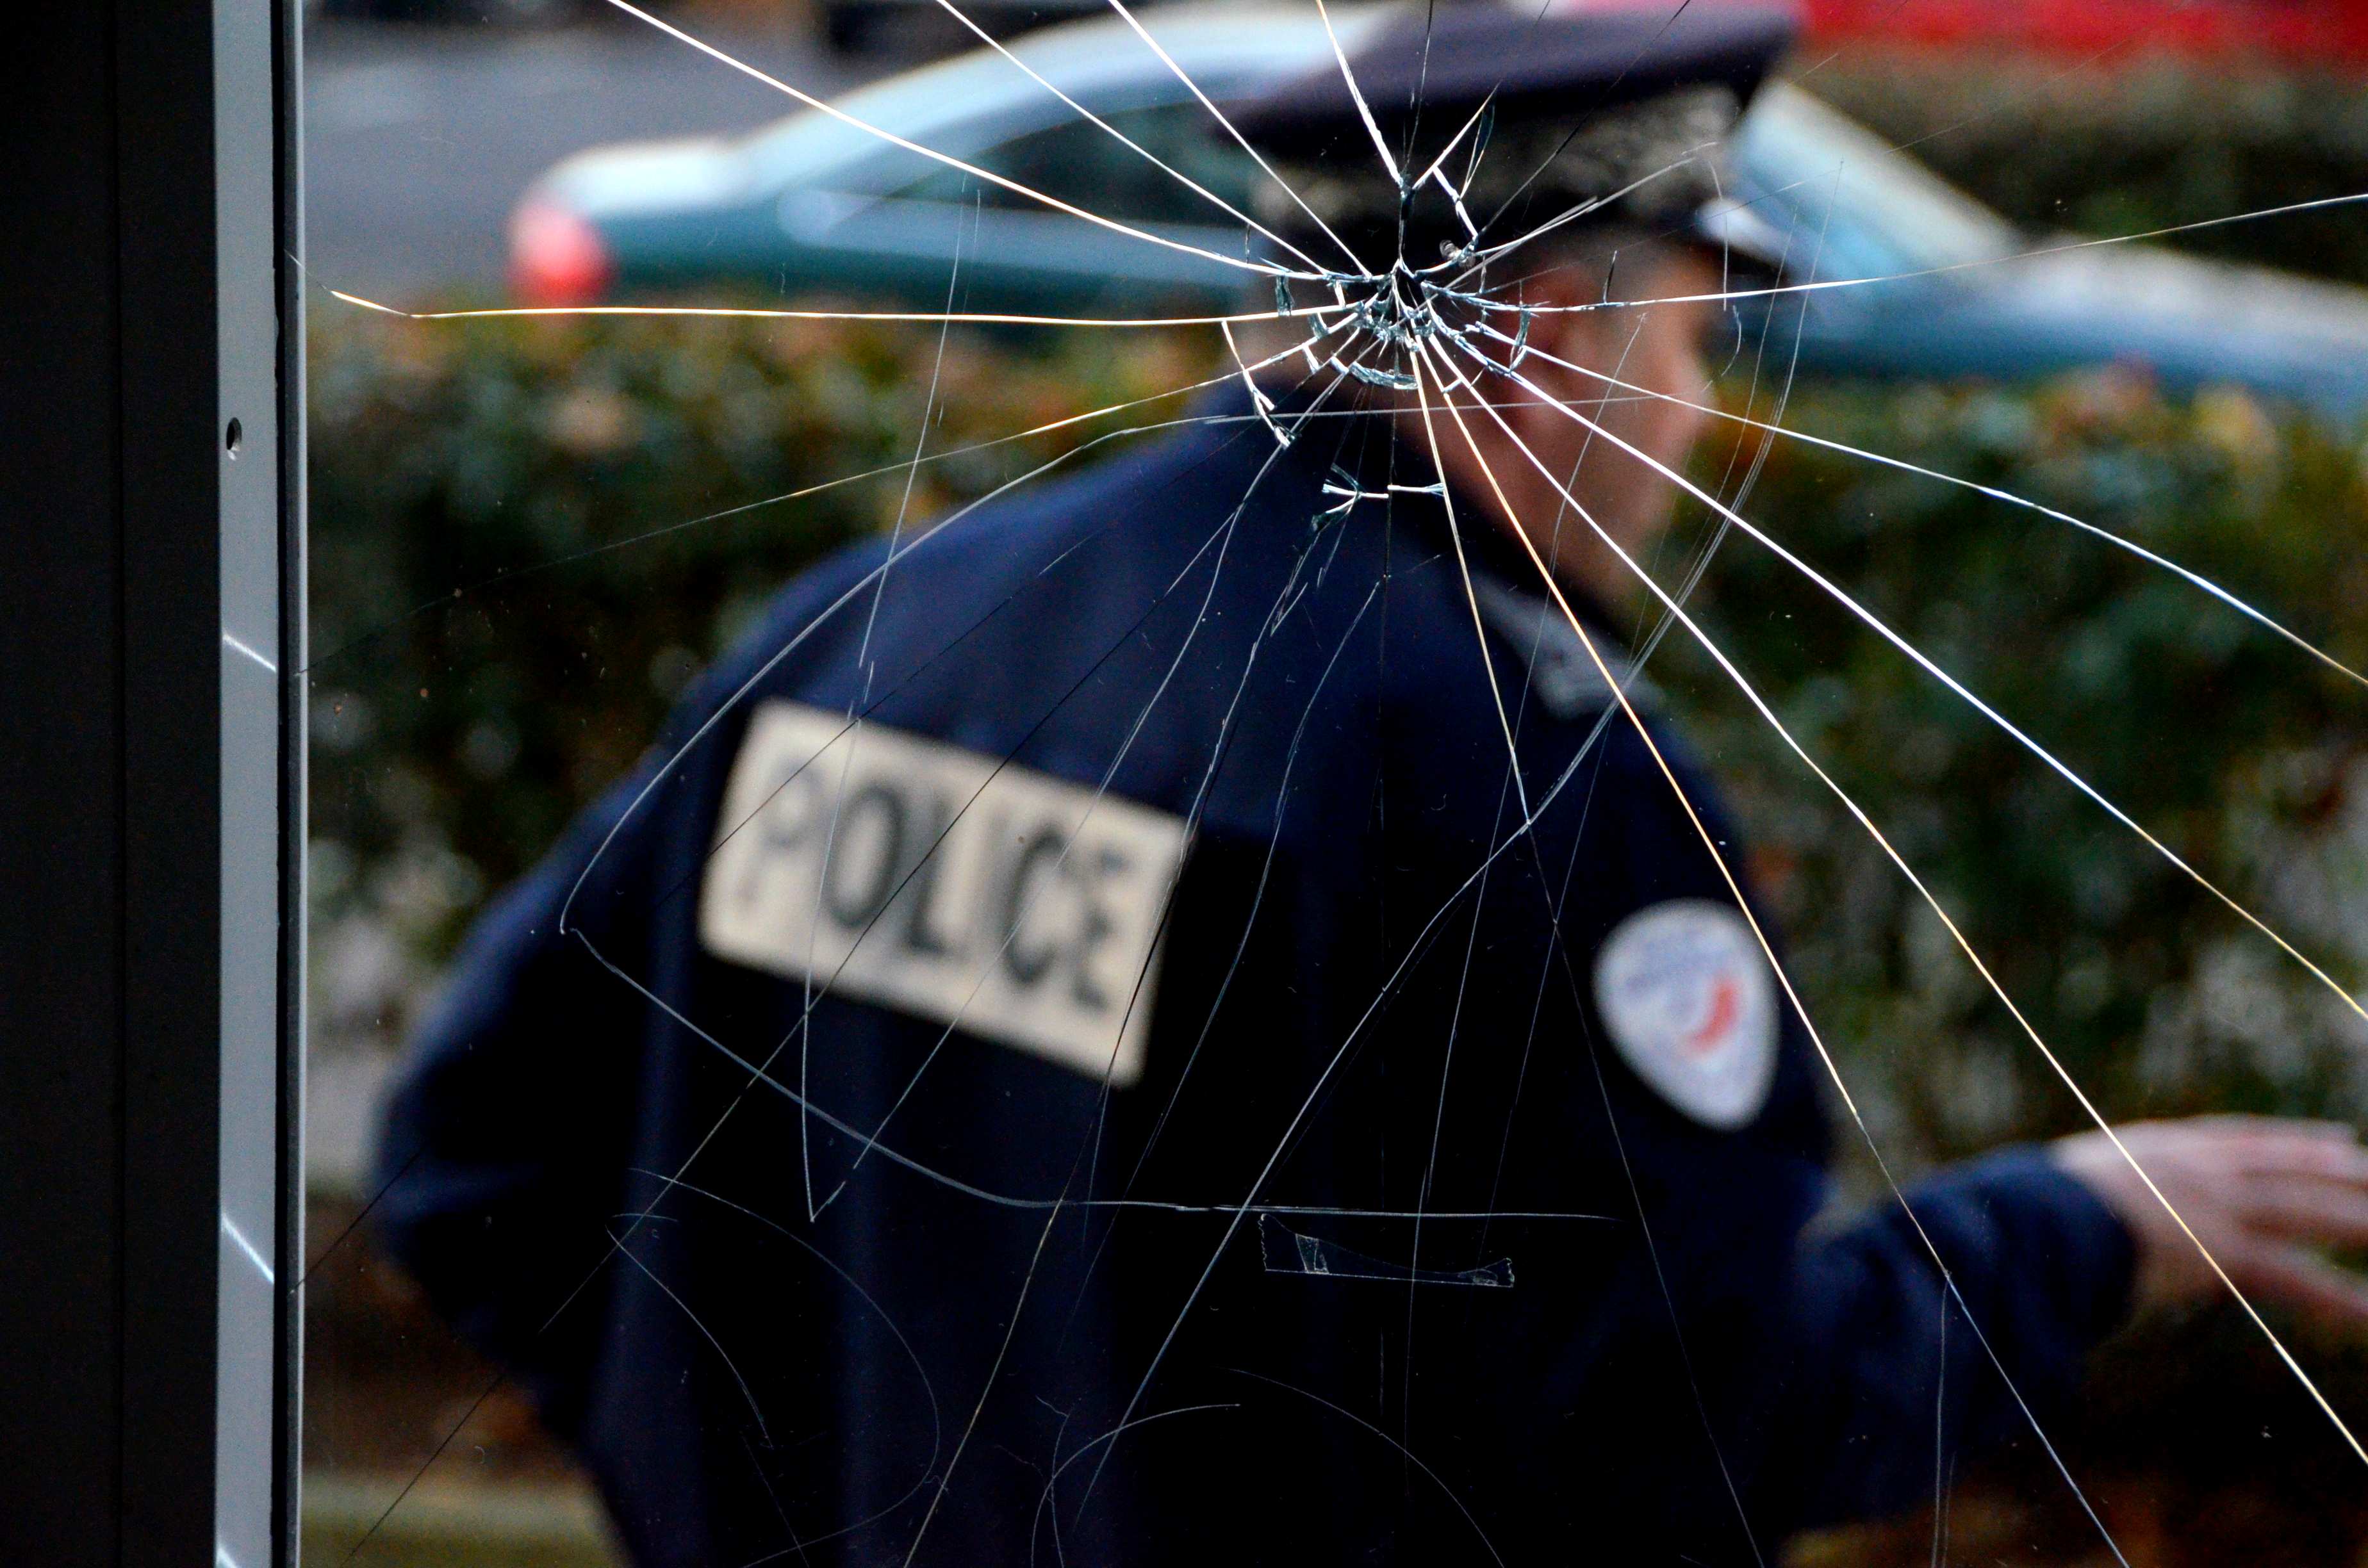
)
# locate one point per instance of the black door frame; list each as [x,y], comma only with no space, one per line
[152,784]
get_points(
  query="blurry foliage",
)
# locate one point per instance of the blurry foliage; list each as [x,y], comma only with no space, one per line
[523,543]
[2240,752]
[2243,754]
[527,536]
[2120,146]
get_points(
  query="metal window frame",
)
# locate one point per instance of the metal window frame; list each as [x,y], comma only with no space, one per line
[152,785]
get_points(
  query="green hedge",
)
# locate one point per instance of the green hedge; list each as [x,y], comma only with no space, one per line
[511,581]
[512,578]
[526,537]
[2238,750]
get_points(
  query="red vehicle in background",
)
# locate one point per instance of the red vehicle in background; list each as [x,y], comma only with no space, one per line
[2306,32]
[2321,33]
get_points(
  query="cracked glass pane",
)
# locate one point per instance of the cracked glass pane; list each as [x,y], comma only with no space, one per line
[1337,783]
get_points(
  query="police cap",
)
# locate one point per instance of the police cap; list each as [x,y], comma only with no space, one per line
[1623,105]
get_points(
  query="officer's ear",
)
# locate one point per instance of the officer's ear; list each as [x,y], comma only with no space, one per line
[1567,332]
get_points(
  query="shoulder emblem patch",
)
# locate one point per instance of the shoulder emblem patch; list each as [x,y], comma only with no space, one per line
[1689,999]
[893,868]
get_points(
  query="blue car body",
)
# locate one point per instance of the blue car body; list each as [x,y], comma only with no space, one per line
[1922,281]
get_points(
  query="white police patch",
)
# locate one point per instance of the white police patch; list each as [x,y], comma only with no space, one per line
[896,869]
[1688,997]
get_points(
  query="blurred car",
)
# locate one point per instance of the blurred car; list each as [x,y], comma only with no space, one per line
[814,204]
[2315,34]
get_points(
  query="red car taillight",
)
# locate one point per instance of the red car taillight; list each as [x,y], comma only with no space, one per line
[556,257]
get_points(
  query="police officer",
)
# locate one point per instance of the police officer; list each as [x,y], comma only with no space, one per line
[1176,1018]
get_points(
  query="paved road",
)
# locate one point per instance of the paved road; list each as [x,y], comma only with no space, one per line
[418,140]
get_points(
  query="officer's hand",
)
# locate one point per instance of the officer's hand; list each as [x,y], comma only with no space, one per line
[2259,1192]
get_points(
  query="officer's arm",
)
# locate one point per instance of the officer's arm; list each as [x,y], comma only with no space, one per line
[502,1145]
[1828,1355]
[2048,1249]
[1889,1356]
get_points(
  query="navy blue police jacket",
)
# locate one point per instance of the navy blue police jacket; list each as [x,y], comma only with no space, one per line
[1077,1046]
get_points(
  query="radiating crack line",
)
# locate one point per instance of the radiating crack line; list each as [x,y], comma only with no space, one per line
[1774,291]
[1963,945]
[835,112]
[1256,156]
[1900,464]
[1195,187]
[757,313]
[1932,669]
[1364,111]
[1759,935]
